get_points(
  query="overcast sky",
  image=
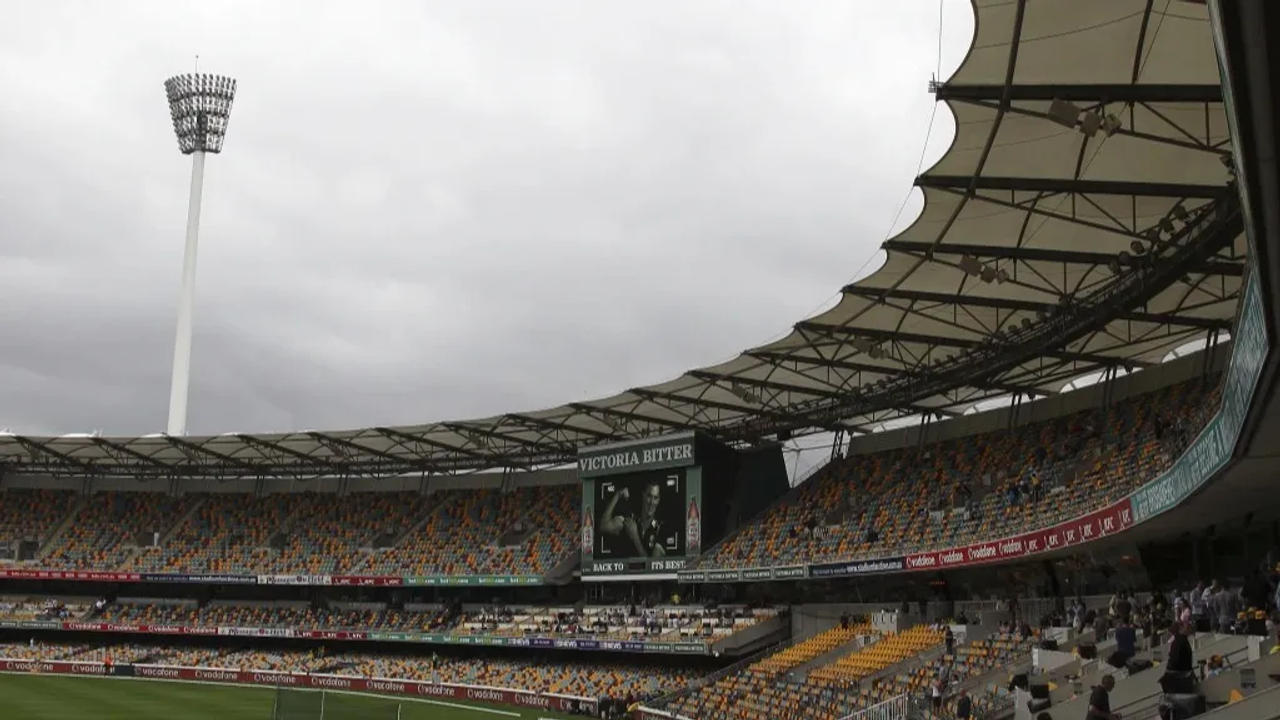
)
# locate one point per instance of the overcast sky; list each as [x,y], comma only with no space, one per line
[440,210]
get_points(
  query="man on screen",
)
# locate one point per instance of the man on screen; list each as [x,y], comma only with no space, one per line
[640,533]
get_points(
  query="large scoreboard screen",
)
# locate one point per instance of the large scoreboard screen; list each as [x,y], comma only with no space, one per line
[642,508]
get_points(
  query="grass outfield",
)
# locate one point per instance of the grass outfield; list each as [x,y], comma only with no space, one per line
[56,697]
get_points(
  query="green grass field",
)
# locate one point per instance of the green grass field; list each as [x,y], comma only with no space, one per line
[51,697]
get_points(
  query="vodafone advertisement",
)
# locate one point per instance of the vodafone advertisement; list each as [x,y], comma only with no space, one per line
[555,703]
[1095,525]
[60,667]
[157,629]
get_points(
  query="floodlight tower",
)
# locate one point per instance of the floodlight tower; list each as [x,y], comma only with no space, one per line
[200,105]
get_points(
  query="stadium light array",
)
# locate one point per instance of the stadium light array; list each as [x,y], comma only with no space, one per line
[200,106]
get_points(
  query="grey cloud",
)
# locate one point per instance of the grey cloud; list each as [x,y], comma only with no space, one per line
[435,211]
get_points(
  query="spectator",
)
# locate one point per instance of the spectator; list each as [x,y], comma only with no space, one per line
[1100,701]
[1180,659]
[951,641]
[1100,626]
[1124,607]
[964,706]
[1227,606]
[1126,643]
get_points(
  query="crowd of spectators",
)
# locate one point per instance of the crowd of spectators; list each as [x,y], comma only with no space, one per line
[41,608]
[973,488]
[656,624]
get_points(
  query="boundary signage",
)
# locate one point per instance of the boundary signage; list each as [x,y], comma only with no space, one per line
[313,580]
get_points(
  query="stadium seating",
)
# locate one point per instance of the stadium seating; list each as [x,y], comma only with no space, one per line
[455,532]
[473,522]
[974,488]
[234,533]
[31,514]
[741,692]
[106,529]
[325,532]
[892,665]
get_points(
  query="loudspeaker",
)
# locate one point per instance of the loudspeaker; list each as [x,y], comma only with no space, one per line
[1049,644]
[1040,692]
[1088,651]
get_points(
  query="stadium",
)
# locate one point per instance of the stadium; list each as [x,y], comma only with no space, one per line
[1048,486]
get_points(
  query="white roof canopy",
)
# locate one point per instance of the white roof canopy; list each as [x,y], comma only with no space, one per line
[1083,218]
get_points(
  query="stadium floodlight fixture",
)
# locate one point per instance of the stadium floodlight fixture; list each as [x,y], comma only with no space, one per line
[200,106]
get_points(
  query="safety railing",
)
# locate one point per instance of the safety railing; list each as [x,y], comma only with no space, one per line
[895,708]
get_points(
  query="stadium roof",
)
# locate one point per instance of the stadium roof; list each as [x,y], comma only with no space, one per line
[1083,219]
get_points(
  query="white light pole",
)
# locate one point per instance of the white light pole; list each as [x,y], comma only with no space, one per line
[200,106]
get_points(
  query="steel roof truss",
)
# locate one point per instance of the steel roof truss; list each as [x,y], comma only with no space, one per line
[126,451]
[282,451]
[193,451]
[38,448]
[1138,188]
[1098,93]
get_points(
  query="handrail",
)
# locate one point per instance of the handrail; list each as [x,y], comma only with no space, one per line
[895,708]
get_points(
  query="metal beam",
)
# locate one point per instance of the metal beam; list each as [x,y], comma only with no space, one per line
[730,407]
[276,447]
[1210,267]
[35,446]
[1094,358]
[779,358]
[357,447]
[562,427]
[1101,93]
[1067,185]
[756,382]
[627,415]
[190,447]
[1028,306]
[404,437]
[921,410]
[882,335]
[491,432]
[126,450]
